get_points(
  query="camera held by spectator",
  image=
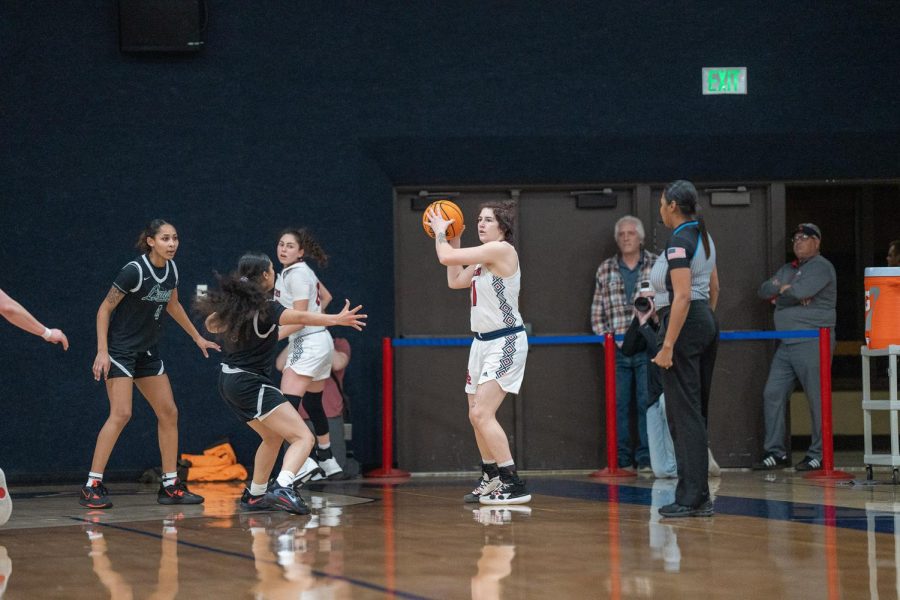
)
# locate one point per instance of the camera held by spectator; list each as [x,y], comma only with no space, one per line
[644,309]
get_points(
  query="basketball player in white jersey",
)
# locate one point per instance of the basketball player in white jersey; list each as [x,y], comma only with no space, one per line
[307,358]
[16,314]
[129,321]
[498,352]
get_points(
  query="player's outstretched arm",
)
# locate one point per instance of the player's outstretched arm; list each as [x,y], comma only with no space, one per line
[346,318]
[16,314]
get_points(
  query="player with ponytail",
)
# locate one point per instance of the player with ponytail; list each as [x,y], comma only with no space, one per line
[307,358]
[247,320]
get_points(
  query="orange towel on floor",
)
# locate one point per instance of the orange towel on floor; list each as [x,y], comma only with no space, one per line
[218,463]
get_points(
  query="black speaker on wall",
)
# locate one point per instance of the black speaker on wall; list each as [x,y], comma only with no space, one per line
[161,25]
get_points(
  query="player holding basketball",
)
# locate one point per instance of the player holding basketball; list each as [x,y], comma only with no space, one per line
[308,355]
[16,314]
[128,325]
[498,352]
[244,314]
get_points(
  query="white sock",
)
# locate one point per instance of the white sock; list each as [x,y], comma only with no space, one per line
[325,446]
[92,477]
[169,478]
[285,479]
[257,489]
[507,463]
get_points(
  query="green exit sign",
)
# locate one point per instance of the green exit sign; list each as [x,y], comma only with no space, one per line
[724,80]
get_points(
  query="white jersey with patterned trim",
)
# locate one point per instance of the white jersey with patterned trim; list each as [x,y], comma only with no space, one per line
[137,320]
[299,282]
[495,300]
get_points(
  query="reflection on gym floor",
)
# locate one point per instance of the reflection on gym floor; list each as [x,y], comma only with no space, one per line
[499,548]
[415,538]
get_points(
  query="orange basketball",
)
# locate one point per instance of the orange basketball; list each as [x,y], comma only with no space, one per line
[448,210]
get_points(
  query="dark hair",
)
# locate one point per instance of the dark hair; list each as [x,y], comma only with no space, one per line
[684,195]
[239,297]
[310,246]
[149,231]
[895,245]
[505,213]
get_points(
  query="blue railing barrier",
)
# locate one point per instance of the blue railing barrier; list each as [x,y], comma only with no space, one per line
[555,340]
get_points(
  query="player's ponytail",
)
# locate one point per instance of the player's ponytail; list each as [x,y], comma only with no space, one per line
[309,244]
[149,231]
[684,195]
[239,298]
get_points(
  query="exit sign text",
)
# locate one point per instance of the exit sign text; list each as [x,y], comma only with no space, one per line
[724,80]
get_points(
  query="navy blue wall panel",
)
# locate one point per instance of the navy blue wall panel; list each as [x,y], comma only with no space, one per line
[308,113]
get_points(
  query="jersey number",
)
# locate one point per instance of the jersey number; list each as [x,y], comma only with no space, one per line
[318,302]
[474,295]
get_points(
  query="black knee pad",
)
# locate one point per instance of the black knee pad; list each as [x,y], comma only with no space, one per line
[312,402]
[294,400]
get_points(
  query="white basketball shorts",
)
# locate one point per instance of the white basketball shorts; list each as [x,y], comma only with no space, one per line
[502,359]
[310,354]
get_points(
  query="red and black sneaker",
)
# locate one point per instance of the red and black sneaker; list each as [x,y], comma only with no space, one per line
[177,493]
[251,502]
[95,496]
[286,498]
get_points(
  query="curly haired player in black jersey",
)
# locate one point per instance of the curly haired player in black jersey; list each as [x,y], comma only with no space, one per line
[246,317]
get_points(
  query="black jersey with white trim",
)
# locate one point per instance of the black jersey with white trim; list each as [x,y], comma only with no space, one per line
[256,353]
[136,321]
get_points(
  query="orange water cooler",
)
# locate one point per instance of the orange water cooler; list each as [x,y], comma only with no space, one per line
[882,307]
[882,340]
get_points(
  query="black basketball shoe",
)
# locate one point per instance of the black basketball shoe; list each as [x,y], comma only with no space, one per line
[286,498]
[177,493]
[95,496]
[511,492]
[251,502]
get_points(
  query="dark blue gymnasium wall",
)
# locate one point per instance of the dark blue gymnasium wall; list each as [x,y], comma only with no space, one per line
[309,112]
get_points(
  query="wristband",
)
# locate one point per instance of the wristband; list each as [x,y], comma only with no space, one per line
[47,333]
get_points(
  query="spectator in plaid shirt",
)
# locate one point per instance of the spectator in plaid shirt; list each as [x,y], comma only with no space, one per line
[611,312]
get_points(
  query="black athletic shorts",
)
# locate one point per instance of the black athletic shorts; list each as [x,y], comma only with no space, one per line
[135,364]
[249,395]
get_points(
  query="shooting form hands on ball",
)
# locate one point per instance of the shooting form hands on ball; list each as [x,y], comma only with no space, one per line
[439,225]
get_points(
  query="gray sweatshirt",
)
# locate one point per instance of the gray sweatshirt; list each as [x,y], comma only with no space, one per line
[813,279]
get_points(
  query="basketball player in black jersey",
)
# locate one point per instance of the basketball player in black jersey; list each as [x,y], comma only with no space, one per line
[128,325]
[245,315]
[16,314]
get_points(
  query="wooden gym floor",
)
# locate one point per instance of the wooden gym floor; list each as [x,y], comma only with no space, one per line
[774,535]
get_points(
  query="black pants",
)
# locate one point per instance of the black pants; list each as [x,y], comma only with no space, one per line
[686,386]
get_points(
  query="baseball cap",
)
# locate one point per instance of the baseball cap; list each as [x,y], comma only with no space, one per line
[810,229]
